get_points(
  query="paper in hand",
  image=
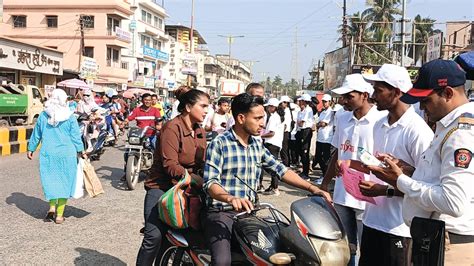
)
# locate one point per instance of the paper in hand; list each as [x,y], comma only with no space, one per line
[351,179]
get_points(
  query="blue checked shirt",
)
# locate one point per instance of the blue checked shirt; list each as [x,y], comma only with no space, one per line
[226,157]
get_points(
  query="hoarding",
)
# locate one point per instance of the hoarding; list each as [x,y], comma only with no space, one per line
[433,48]
[336,67]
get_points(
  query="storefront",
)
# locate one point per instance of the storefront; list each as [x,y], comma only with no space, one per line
[27,64]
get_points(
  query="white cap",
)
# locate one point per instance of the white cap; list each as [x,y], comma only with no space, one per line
[285,98]
[394,75]
[326,98]
[273,102]
[354,82]
[305,97]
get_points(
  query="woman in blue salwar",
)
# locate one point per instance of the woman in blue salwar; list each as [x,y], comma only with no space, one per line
[58,132]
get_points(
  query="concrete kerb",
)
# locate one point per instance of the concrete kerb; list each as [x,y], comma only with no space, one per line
[14,139]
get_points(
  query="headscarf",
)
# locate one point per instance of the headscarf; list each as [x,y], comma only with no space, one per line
[57,107]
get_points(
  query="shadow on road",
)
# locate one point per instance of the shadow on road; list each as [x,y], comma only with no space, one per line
[114,174]
[93,257]
[37,208]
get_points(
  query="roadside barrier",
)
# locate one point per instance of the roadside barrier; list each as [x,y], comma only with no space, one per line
[14,139]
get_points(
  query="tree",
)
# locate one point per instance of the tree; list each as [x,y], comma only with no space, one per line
[423,30]
[382,12]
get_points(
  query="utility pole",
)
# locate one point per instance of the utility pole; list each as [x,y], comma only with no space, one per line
[344,24]
[191,39]
[402,33]
[230,40]
[319,71]
[294,58]
[82,49]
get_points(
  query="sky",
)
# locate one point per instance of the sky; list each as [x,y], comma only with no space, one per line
[270,28]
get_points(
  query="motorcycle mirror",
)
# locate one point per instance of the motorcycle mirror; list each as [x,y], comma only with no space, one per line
[281,258]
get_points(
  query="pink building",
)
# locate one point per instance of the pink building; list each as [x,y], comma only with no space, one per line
[57,24]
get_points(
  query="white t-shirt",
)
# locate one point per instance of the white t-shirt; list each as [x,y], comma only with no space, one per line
[275,125]
[217,121]
[406,139]
[305,115]
[208,119]
[325,133]
[350,134]
[287,121]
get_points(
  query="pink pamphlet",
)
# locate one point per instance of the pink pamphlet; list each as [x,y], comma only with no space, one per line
[351,179]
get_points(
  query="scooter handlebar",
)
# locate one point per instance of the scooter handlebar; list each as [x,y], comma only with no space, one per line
[225,208]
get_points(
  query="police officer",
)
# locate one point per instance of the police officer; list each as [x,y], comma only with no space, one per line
[442,185]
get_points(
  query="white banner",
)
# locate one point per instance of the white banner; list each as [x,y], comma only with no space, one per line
[433,48]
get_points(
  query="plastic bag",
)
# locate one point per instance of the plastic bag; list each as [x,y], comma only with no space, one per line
[78,191]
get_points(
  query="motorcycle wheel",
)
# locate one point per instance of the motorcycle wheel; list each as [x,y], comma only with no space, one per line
[175,256]
[132,172]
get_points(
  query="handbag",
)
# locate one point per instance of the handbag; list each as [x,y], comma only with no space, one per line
[428,236]
[91,181]
[179,207]
[78,191]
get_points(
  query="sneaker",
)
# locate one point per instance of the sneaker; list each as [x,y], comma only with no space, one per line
[272,191]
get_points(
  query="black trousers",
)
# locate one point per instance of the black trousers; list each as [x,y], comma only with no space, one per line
[294,154]
[380,248]
[155,230]
[285,149]
[303,142]
[218,233]
[323,155]
[274,150]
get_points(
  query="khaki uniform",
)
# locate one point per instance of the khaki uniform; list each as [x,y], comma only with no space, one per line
[443,183]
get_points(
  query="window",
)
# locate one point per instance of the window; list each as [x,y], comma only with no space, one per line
[148,18]
[160,23]
[208,81]
[89,51]
[156,44]
[112,23]
[113,57]
[146,41]
[36,93]
[87,21]
[155,21]
[144,15]
[52,21]
[19,21]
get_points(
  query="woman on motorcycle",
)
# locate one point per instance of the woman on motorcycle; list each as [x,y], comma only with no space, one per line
[113,109]
[180,148]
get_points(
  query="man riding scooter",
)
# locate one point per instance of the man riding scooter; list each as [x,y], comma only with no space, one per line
[237,152]
[146,115]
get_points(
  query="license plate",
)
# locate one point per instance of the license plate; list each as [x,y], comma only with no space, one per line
[133,147]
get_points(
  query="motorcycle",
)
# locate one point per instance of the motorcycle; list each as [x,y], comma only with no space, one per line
[138,154]
[313,236]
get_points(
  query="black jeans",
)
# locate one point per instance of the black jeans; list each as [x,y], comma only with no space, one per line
[218,233]
[155,230]
[294,154]
[323,155]
[285,150]
[303,141]
[274,150]
[380,248]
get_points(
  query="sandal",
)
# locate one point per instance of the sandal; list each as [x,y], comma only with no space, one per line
[59,219]
[49,217]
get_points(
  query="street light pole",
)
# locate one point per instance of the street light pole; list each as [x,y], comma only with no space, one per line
[191,39]
[230,39]
[402,35]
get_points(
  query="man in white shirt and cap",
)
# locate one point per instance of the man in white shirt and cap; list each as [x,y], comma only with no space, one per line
[353,129]
[325,129]
[386,239]
[304,122]
[442,185]
[288,126]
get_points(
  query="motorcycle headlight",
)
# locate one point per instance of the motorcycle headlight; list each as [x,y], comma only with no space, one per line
[134,140]
[332,252]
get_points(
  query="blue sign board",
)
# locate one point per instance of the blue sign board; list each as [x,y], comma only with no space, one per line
[155,53]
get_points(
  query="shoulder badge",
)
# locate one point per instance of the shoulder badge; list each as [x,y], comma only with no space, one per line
[465,121]
[462,158]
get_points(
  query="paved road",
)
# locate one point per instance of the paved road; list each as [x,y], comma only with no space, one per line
[102,230]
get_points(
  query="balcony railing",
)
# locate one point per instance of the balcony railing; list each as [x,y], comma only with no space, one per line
[116,64]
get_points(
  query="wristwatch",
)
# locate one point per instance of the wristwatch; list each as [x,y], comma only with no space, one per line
[390,192]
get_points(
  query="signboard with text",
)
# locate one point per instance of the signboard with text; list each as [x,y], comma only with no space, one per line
[336,67]
[155,53]
[189,64]
[123,34]
[26,57]
[89,68]
[433,48]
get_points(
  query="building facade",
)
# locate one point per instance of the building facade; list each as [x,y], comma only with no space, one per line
[459,38]
[147,56]
[79,29]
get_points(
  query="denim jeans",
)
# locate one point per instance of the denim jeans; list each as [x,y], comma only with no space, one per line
[352,221]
